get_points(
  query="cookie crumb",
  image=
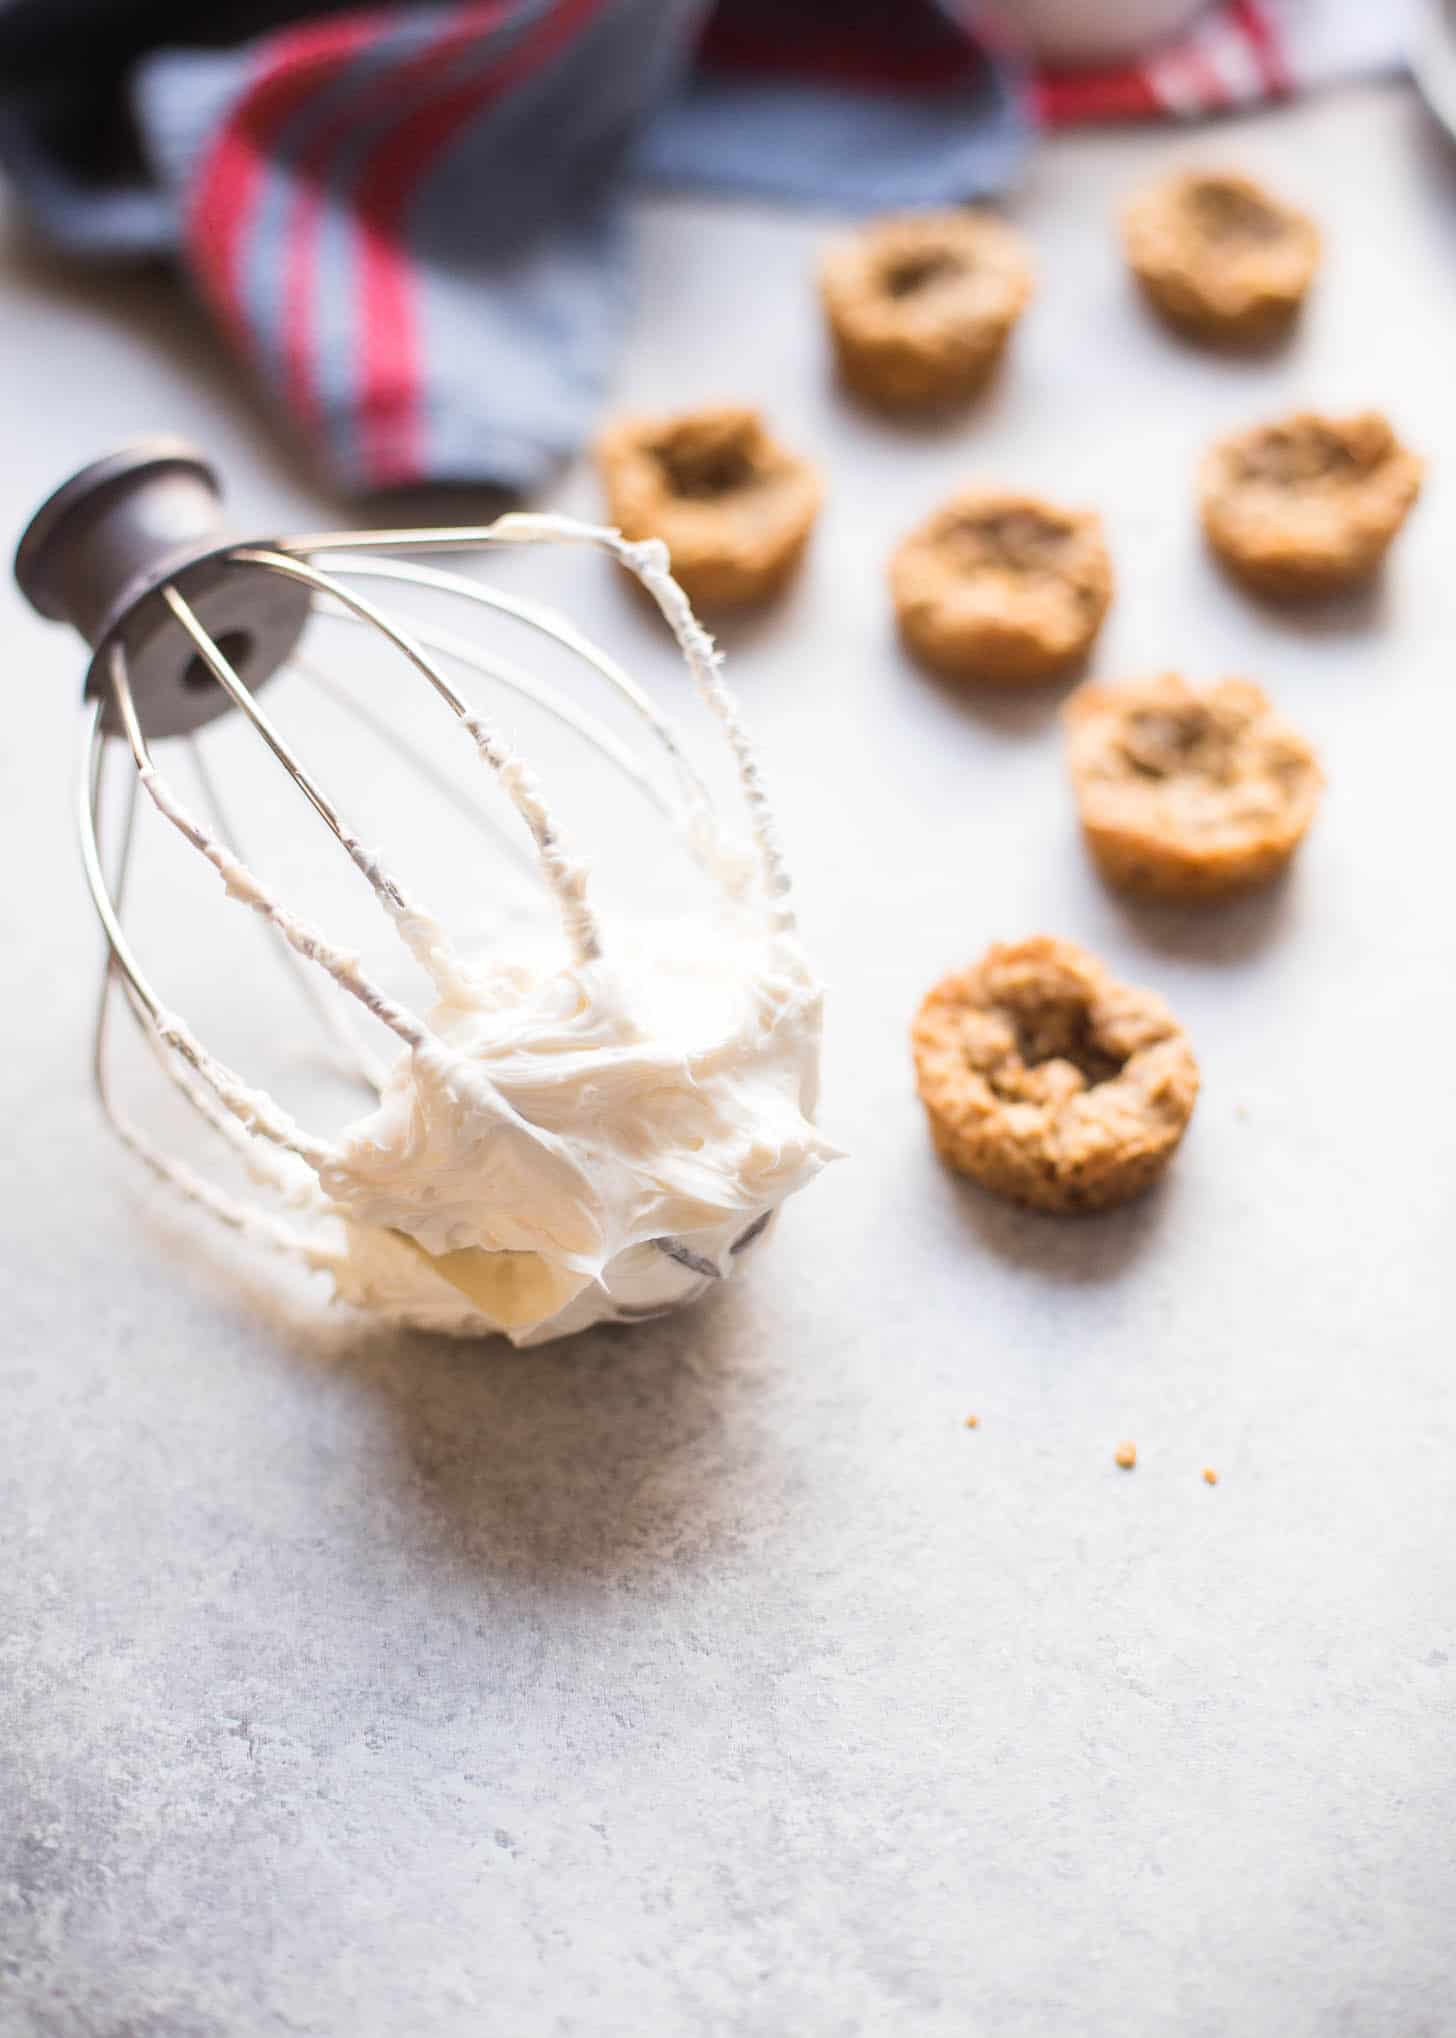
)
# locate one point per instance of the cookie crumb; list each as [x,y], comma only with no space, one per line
[1210,1477]
[973,1422]
[1126,1456]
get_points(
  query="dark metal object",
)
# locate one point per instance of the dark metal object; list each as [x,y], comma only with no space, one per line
[98,554]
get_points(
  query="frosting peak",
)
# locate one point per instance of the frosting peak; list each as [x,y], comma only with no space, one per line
[613,1130]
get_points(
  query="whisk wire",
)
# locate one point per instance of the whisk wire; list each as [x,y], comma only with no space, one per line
[565,876]
[352,1055]
[648,561]
[465,804]
[506,673]
[418,928]
[256,1110]
[270,1165]
[120,966]
[547,622]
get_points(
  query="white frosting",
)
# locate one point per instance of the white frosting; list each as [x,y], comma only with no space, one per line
[592,1131]
[610,1131]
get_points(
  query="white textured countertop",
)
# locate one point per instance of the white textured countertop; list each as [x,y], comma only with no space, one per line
[711,1678]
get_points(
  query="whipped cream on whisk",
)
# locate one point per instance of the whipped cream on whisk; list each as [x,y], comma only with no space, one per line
[591,1131]
[586,1142]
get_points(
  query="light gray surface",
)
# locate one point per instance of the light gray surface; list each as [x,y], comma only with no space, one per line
[712,1678]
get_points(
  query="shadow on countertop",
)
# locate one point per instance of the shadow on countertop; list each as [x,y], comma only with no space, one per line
[591,1466]
[1080,1250]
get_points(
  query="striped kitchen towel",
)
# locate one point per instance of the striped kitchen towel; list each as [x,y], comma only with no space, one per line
[1235,55]
[408,221]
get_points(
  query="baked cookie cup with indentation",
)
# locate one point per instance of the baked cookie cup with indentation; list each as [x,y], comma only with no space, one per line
[1188,794]
[920,306]
[1001,589]
[733,506]
[1220,257]
[1307,505]
[1048,1082]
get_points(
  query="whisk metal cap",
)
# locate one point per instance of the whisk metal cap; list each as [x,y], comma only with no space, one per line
[100,552]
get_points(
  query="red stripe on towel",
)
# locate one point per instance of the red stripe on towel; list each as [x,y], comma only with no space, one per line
[300,252]
[389,401]
[290,68]
[1263,40]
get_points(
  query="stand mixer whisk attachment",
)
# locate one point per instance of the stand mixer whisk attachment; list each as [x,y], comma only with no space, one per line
[596,1131]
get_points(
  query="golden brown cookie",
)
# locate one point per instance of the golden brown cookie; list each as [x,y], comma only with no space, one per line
[1309,504]
[1002,588]
[920,307]
[733,506]
[1185,794]
[1219,256]
[1048,1082]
